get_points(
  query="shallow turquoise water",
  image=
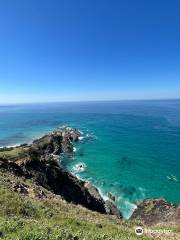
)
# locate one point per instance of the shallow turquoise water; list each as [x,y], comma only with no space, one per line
[129,147]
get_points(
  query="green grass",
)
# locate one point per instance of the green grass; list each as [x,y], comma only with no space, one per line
[13,153]
[25,218]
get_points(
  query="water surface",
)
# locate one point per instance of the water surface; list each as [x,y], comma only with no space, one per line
[130,148]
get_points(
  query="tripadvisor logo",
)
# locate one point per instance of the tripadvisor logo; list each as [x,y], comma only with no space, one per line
[139,231]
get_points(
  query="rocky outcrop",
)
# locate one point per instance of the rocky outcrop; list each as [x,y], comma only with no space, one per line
[92,190]
[13,167]
[111,197]
[51,176]
[109,205]
[112,209]
[39,163]
[157,211]
[55,143]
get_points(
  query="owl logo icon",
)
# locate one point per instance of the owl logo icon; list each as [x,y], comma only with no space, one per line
[139,231]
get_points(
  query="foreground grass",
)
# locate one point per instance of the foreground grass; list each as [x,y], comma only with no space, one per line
[30,218]
[27,220]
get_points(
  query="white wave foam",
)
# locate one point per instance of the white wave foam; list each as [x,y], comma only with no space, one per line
[74,149]
[104,196]
[10,146]
[130,207]
[81,138]
[91,136]
[126,207]
[79,168]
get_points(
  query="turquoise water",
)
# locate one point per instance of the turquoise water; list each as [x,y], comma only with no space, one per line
[129,147]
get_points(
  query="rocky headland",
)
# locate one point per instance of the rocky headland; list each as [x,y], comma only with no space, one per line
[40,163]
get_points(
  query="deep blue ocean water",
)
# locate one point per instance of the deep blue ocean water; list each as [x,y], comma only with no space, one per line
[130,148]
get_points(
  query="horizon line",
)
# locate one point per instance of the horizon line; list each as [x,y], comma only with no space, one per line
[88,101]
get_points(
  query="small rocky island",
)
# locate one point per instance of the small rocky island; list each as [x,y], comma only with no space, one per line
[39,162]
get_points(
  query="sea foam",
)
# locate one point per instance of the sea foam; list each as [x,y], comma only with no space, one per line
[79,168]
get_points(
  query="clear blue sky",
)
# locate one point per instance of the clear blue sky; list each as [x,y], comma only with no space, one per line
[66,50]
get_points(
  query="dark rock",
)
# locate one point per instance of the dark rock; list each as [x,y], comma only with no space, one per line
[111,196]
[93,190]
[10,166]
[20,188]
[112,209]
[57,142]
[157,211]
[55,179]
[74,134]
[66,145]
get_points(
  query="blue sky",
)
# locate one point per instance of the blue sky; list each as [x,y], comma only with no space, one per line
[67,50]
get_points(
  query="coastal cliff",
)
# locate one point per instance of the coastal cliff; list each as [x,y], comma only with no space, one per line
[39,161]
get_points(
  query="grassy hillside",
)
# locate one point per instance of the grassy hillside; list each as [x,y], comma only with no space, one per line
[13,153]
[41,215]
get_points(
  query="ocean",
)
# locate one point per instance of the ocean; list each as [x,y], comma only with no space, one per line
[128,148]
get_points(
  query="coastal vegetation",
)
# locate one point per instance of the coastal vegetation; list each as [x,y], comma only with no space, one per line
[30,217]
[13,152]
